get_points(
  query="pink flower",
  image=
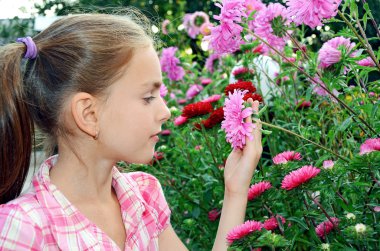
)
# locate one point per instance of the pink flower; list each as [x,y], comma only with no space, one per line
[284,157]
[165,23]
[231,11]
[303,104]
[214,214]
[253,5]
[366,62]
[210,62]
[205,29]
[212,98]
[234,114]
[169,64]
[326,227]
[163,90]
[328,164]
[272,223]
[193,91]
[370,145]
[298,177]
[166,132]
[258,189]
[180,120]
[269,25]
[198,18]
[191,30]
[243,230]
[225,38]
[330,52]
[311,12]
[206,81]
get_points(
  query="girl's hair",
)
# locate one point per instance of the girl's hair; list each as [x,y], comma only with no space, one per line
[80,53]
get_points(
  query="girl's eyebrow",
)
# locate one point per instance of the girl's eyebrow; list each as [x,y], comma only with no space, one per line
[156,84]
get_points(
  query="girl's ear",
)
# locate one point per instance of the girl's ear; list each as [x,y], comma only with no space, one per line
[84,109]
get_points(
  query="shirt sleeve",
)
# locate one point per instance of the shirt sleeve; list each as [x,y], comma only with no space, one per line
[17,231]
[153,195]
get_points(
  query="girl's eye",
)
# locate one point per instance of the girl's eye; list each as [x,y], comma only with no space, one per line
[149,99]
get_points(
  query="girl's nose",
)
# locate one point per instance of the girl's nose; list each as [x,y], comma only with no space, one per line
[165,112]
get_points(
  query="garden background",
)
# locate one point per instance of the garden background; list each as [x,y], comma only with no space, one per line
[319,90]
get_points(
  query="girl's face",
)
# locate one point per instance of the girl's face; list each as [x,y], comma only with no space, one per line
[134,112]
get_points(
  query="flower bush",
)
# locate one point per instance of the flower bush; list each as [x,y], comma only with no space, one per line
[317,184]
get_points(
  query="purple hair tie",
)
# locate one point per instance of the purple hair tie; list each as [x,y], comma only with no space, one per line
[31,48]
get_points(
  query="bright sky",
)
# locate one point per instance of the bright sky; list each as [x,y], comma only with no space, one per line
[20,8]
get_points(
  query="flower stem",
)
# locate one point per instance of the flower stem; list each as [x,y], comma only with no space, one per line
[366,46]
[312,142]
[374,24]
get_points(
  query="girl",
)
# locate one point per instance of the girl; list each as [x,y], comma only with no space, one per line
[91,83]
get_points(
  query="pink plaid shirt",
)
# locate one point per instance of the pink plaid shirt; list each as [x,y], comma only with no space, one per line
[43,219]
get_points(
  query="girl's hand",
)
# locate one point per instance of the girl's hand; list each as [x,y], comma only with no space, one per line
[241,164]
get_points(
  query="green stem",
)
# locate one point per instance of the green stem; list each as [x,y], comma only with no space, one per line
[312,142]
[366,46]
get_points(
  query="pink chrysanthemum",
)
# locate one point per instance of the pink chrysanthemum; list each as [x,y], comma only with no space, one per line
[205,29]
[164,26]
[225,38]
[198,18]
[366,62]
[169,64]
[284,157]
[370,145]
[243,230]
[330,52]
[311,12]
[269,25]
[191,30]
[163,90]
[272,223]
[328,164]
[253,5]
[180,120]
[193,91]
[234,114]
[210,62]
[212,98]
[231,11]
[326,227]
[299,176]
[258,189]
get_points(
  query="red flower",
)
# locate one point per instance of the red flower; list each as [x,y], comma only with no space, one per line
[196,109]
[284,157]
[254,97]
[214,214]
[245,85]
[272,223]
[303,104]
[243,230]
[326,227]
[215,118]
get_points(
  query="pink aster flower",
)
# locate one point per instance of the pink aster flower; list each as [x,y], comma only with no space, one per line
[311,12]
[328,164]
[198,18]
[166,132]
[193,91]
[331,51]
[191,30]
[212,98]
[284,157]
[165,24]
[163,90]
[258,189]
[366,62]
[272,223]
[214,214]
[370,145]
[211,61]
[206,81]
[231,11]
[326,227]
[234,115]
[169,64]
[243,230]
[225,38]
[298,177]
[269,25]
[205,29]
[180,120]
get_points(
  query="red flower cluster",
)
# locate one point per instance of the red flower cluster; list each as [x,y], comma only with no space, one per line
[253,96]
[215,118]
[214,214]
[326,227]
[244,85]
[196,109]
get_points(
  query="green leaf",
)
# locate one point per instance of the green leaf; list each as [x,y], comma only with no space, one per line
[342,127]
[301,222]
[266,132]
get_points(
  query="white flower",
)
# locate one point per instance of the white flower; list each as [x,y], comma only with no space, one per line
[360,228]
[173,109]
[350,216]
[325,246]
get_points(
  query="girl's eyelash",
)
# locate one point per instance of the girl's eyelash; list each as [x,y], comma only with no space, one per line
[149,99]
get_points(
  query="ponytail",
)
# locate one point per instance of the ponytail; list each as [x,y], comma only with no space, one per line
[16,125]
